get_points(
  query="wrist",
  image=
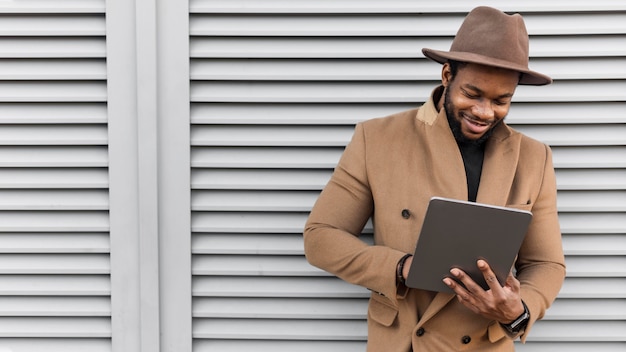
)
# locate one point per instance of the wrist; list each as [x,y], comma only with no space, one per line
[400,269]
[519,323]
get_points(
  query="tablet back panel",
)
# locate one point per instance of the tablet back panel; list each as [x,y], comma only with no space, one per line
[458,233]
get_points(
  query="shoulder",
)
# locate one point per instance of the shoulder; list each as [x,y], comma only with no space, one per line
[390,126]
[532,152]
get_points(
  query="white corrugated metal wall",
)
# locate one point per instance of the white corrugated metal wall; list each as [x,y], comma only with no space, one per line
[276,89]
[54,226]
[158,159]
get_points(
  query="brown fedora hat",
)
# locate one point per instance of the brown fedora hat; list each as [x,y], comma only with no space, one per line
[491,37]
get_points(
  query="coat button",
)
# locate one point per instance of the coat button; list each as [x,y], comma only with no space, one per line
[406,213]
[420,332]
[466,339]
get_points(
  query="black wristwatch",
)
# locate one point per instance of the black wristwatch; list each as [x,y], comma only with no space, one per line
[518,324]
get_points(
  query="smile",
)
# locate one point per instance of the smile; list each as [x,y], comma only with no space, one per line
[475,126]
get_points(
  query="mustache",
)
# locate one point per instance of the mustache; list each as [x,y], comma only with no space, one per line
[478,120]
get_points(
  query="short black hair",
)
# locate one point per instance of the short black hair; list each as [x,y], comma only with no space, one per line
[454,67]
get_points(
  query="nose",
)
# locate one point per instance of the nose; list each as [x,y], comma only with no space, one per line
[483,110]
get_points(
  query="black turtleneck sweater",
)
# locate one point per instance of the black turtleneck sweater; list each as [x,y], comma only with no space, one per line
[473,154]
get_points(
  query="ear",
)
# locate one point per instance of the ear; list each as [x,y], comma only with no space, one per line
[446,74]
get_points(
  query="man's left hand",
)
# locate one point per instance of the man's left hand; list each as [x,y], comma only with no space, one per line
[500,303]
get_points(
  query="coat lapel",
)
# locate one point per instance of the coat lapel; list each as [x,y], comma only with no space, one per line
[501,157]
[445,167]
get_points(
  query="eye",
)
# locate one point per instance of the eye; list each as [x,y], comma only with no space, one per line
[470,95]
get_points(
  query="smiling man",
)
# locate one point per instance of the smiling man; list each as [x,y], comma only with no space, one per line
[456,145]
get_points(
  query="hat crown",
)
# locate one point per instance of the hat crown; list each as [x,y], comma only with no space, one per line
[491,37]
[492,33]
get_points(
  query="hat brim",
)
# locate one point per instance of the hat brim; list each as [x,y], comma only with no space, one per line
[528,77]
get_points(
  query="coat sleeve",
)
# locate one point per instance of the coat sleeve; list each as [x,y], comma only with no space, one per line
[541,265]
[331,234]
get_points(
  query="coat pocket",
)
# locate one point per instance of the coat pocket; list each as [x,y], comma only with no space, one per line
[381,310]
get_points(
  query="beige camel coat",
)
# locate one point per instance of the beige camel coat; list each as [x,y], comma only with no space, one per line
[388,172]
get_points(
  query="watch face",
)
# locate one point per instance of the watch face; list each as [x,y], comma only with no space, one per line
[519,323]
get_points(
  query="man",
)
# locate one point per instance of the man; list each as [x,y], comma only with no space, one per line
[457,146]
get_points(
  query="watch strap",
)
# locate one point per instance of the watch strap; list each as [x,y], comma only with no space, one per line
[520,323]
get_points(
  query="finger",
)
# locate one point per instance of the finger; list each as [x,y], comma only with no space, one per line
[462,295]
[470,285]
[489,275]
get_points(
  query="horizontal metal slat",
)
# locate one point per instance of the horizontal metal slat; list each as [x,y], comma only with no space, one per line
[55,327]
[52,47]
[273,329]
[587,309]
[584,223]
[594,244]
[314,70]
[391,7]
[577,135]
[276,345]
[309,92]
[54,221]
[11,263]
[29,199]
[579,346]
[271,135]
[259,179]
[52,25]
[57,344]
[54,285]
[389,47]
[53,156]
[54,135]
[257,286]
[546,330]
[596,266]
[589,157]
[57,6]
[28,306]
[290,158]
[291,114]
[233,243]
[593,287]
[386,92]
[292,201]
[52,69]
[51,178]
[591,179]
[592,201]
[252,265]
[242,222]
[397,25]
[52,91]
[54,242]
[53,113]
[280,308]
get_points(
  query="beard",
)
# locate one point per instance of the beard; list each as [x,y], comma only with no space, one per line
[455,125]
